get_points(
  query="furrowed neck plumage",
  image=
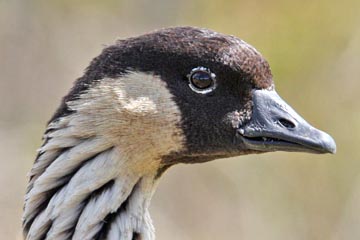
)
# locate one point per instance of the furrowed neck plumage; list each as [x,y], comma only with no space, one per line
[97,169]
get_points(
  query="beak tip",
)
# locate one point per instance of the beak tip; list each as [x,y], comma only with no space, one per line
[333,149]
[329,144]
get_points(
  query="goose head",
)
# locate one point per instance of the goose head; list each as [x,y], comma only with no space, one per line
[177,95]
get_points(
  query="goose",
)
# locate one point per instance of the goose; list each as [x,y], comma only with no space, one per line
[146,103]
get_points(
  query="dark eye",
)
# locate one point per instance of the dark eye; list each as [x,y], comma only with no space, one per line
[202,80]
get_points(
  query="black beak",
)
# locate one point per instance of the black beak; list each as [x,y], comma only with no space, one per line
[275,126]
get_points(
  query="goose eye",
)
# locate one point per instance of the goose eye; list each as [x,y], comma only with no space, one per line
[202,80]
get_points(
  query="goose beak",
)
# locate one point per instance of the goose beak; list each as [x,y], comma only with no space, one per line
[275,126]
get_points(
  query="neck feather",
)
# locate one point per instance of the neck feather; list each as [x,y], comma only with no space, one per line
[107,198]
[96,171]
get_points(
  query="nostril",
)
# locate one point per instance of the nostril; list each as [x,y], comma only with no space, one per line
[286,123]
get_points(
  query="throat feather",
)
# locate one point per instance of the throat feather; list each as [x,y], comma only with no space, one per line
[111,203]
[98,167]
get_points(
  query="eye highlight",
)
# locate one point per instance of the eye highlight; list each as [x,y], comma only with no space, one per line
[202,80]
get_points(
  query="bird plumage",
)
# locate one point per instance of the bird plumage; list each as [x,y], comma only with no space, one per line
[132,115]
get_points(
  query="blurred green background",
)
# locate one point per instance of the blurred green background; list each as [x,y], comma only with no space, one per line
[313,47]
